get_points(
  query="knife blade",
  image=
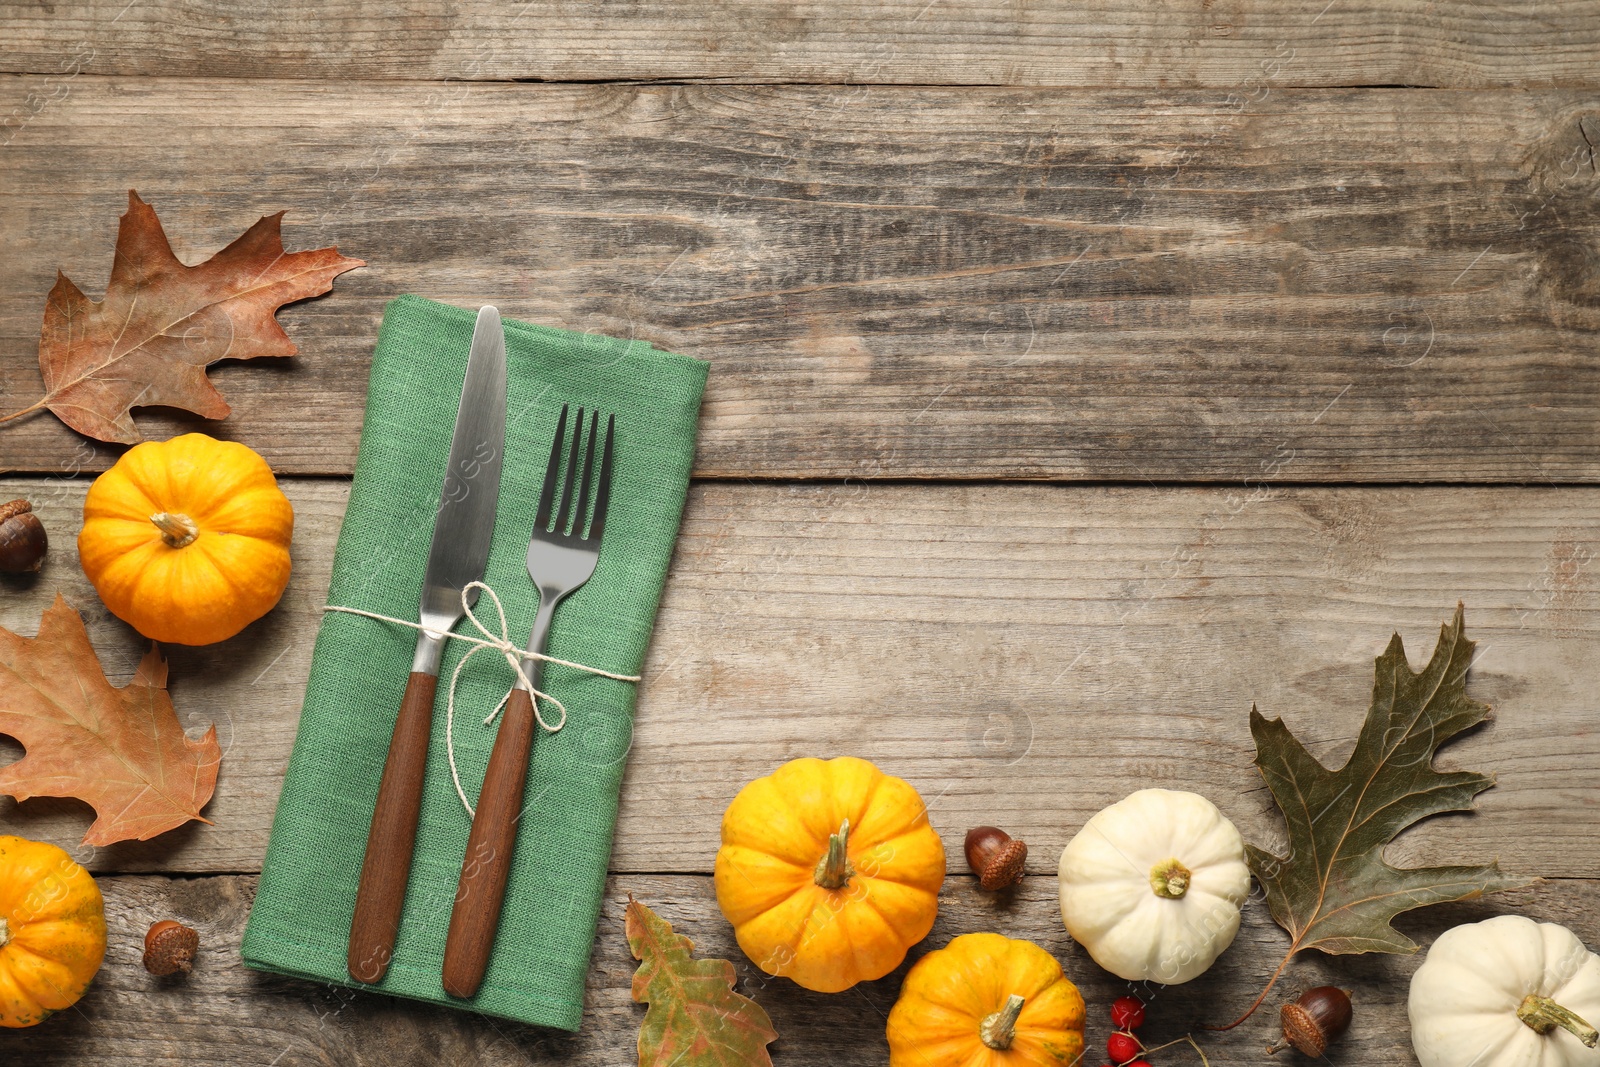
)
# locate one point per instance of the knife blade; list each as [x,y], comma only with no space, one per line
[463,527]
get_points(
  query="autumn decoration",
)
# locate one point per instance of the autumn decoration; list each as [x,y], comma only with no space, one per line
[1330,886]
[1506,992]
[162,323]
[1152,886]
[52,931]
[1314,1020]
[986,999]
[122,751]
[23,541]
[187,540]
[828,871]
[694,1015]
[998,859]
[170,947]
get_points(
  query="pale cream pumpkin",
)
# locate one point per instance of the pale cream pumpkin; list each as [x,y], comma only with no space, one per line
[1151,886]
[1507,992]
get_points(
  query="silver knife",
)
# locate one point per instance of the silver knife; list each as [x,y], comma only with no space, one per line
[462,530]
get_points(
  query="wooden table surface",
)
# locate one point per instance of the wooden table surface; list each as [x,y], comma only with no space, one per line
[1082,374]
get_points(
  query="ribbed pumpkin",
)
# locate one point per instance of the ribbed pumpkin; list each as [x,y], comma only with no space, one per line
[986,1001]
[828,872]
[187,540]
[52,931]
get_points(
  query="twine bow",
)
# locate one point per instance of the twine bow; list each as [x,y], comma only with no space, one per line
[501,643]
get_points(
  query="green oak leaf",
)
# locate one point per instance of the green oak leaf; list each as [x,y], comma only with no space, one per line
[695,1019]
[1333,891]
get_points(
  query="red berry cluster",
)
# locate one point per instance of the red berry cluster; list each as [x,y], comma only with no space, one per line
[1127,1015]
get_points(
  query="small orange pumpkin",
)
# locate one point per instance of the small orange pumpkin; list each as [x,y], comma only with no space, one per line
[828,872]
[986,1001]
[52,931]
[187,540]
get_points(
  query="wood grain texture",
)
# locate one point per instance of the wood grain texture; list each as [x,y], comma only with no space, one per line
[226,1015]
[1023,655]
[1368,285]
[1133,43]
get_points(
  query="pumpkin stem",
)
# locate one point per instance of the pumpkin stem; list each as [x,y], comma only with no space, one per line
[997,1031]
[5,932]
[1542,1015]
[833,869]
[1169,879]
[177,529]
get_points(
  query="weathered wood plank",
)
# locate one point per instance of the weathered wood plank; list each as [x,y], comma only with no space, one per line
[1135,44]
[1317,285]
[225,1014]
[1024,655]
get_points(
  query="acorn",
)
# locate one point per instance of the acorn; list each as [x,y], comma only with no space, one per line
[1312,1022]
[995,857]
[169,947]
[22,539]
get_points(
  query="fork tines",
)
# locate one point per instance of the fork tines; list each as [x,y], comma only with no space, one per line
[575,508]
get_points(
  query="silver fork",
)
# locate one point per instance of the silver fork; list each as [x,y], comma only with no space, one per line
[561,557]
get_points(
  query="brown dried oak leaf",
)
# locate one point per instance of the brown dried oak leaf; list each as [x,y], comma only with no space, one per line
[122,751]
[162,323]
[695,1018]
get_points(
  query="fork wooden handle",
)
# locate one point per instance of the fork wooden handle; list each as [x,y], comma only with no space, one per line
[490,847]
[381,896]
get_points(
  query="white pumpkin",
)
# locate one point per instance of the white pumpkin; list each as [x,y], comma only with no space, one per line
[1506,992]
[1151,886]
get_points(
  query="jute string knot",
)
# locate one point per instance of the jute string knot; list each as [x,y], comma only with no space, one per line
[502,643]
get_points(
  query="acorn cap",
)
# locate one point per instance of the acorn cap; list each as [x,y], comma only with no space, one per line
[169,947]
[1005,867]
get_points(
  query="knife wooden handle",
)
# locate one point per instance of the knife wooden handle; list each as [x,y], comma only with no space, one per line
[490,846]
[387,868]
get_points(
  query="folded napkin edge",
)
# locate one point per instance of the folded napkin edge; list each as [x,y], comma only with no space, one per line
[566,1015]
[469,315]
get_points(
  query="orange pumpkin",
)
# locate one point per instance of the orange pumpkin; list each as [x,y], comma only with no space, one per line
[52,931]
[986,1001]
[828,872]
[187,540]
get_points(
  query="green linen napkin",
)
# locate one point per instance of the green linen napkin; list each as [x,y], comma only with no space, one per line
[300,922]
